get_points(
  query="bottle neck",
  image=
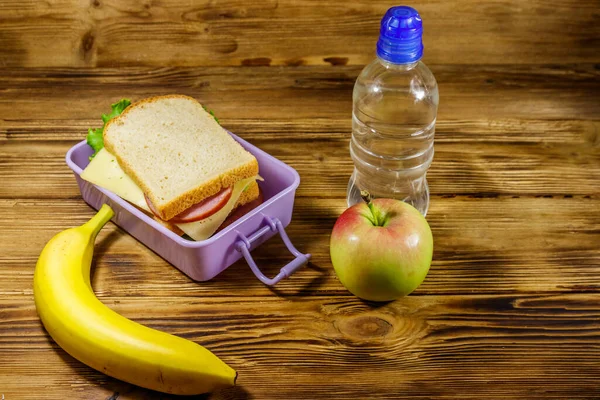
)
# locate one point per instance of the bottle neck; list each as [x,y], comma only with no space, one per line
[399,67]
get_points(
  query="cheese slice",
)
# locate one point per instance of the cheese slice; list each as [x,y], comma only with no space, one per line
[104,171]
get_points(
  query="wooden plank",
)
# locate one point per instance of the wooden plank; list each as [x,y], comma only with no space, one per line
[482,245]
[522,155]
[467,92]
[324,165]
[420,346]
[288,32]
[497,131]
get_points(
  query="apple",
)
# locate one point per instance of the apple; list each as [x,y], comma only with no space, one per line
[382,250]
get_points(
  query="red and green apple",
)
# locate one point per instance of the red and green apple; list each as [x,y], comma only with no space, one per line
[382,250]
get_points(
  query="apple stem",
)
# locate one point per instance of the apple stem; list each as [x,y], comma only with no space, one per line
[375,214]
[376,219]
[366,196]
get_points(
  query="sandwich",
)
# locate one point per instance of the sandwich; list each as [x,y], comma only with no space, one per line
[169,156]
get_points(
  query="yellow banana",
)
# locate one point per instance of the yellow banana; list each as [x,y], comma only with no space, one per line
[106,341]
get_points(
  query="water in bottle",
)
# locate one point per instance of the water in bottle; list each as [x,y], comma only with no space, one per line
[395,103]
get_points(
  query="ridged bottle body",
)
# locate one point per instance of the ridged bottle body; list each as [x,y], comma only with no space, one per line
[393,125]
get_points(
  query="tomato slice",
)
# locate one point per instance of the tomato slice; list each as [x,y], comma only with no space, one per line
[198,211]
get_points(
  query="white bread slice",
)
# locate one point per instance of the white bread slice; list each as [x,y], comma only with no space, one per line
[176,152]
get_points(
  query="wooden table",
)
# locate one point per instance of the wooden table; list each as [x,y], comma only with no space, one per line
[511,305]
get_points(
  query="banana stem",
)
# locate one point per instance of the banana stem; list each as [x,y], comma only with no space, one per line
[99,220]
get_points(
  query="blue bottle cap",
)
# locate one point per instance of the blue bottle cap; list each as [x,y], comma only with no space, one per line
[400,36]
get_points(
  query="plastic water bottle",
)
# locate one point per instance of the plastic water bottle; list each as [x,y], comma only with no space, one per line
[395,103]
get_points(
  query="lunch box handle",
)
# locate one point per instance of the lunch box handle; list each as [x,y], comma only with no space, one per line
[273,225]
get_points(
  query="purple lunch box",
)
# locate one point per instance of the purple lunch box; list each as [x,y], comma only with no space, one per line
[203,260]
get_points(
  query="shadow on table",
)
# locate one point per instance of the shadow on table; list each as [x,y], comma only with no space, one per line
[305,289]
[101,247]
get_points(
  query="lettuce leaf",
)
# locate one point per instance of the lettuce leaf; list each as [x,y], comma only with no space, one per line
[212,113]
[95,140]
[94,137]
[117,109]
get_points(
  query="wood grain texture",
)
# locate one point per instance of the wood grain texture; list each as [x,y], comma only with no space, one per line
[526,125]
[511,306]
[470,92]
[473,344]
[108,33]
[473,254]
